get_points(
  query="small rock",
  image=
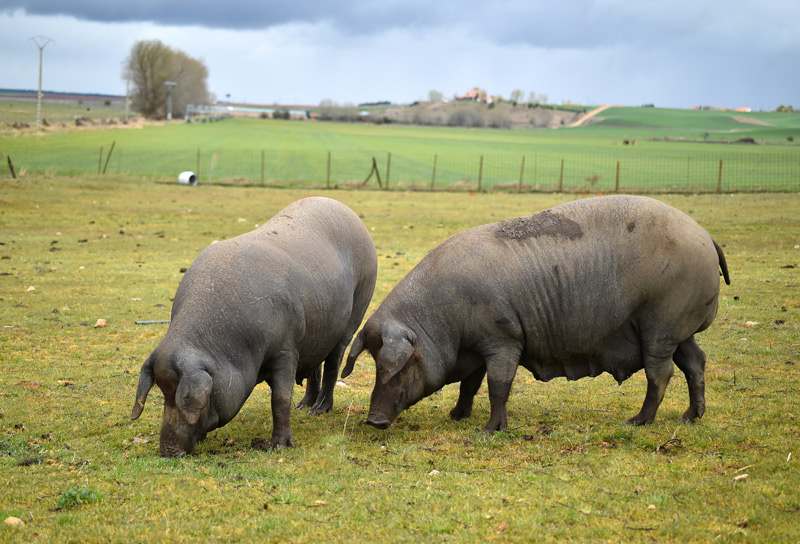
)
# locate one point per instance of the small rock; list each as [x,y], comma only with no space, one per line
[31,288]
[11,520]
[100,324]
[740,477]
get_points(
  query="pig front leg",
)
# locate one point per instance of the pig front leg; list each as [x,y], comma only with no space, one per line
[281,382]
[469,387]
[324,401]
[501,367]
[312,388]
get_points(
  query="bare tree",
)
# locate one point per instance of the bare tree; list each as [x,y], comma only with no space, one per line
[150,64]
[435,96]
[516,96]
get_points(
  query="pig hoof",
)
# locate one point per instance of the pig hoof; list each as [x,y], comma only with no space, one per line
[280,443]
[320,408]
[458,414]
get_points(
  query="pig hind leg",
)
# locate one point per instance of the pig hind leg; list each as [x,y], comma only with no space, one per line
[658,367]
[469,387]
[692,362]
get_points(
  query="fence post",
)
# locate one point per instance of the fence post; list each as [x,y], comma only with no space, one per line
[11,167]
[100,162]
[262,167]
[197,170]
[561,177]
[433,177]
[719,178]
[521,174]
[616,187]
[480,174]
[328,178]
[110,151]
[388,169]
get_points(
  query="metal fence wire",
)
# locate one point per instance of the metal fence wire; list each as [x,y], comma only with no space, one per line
[775,169]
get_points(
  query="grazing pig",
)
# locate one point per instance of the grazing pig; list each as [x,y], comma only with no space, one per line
[269,305]
[607,284]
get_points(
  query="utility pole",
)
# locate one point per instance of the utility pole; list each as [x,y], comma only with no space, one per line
[170,85]
[41,42]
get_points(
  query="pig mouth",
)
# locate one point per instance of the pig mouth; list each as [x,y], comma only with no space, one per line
[173,452]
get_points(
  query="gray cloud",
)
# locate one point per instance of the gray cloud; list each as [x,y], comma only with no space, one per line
[538,23]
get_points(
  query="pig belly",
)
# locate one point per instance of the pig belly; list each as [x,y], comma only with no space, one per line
[619,354]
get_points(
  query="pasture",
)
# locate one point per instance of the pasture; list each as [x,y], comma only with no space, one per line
[73,467]
[630,149]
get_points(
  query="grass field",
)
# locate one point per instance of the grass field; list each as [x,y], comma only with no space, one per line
[73,467]
[673,151]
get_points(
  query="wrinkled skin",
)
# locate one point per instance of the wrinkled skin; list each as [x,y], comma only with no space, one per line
[269,305]
[608,284]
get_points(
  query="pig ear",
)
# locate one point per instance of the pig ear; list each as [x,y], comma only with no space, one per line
[146,380]
[355,351]
[397,349]
[193,395]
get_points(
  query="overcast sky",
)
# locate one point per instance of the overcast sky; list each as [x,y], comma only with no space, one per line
[671,53]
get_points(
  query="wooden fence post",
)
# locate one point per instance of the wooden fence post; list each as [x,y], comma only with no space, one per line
[480,174]
[100,162]
[11,167]
[433,177]
[110,151]
[388,169]
[262,167]
[197,170]
[521,174]
[616,187]
[719,178]
[328,178]
[561,178]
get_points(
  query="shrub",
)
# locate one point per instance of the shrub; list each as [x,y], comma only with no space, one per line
[77,496]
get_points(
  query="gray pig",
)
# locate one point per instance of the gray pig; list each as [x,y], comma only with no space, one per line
[607,284]
[269,305]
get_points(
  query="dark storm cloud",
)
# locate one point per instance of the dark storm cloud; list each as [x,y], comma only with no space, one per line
[538,23]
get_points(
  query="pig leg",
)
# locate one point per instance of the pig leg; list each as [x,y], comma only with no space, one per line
[659,370]
[469,387]
[312,388]
[501,367]
[281,382]
[692,362]
[324,401]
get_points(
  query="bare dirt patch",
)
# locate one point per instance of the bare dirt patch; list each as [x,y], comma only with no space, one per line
[749,121]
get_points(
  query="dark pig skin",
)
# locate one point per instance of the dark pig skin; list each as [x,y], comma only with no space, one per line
[606,284]
[269,305]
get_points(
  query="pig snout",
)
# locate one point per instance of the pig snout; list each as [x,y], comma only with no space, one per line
[378,421]
[178,438]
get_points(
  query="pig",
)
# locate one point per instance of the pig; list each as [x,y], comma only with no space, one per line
[606,284]
[269,305]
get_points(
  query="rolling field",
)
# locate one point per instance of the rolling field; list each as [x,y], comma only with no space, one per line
[73,467]
[657,151]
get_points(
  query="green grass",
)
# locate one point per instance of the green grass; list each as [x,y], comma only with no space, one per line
[295,154]
[567,470]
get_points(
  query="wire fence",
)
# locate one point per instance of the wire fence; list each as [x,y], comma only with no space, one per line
[775,168]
